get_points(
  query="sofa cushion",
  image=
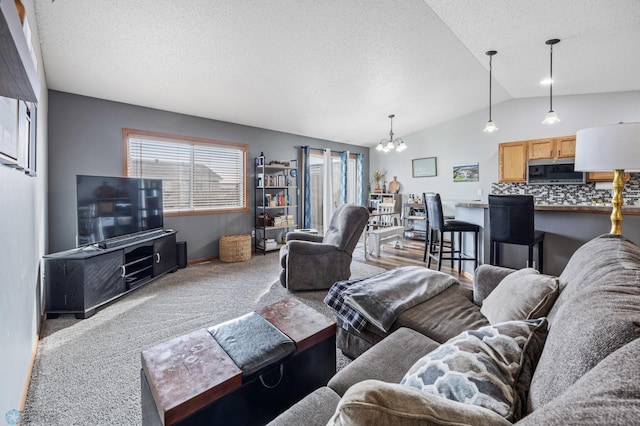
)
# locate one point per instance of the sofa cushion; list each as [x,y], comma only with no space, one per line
[596,313]
[524,294]
[609,394]
[489,367]
[372,402]
[389,360]
[444,316]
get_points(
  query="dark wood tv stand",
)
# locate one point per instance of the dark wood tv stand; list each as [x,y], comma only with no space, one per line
[78,281]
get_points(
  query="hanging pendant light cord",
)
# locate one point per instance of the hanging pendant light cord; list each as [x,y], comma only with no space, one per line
[391,130]
[490,72]
[551,78]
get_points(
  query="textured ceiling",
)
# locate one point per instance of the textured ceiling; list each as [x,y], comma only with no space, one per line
[335,69]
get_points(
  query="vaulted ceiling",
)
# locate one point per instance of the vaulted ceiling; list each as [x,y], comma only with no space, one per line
[335,69]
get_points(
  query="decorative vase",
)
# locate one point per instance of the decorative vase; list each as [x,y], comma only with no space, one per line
[394,186]
[377,190]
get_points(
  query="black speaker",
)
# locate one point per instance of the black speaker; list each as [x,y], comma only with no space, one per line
[181,253]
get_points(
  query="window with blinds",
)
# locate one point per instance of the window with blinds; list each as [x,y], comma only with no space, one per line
[198,175]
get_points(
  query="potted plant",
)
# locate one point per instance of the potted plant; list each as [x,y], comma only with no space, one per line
[378,175]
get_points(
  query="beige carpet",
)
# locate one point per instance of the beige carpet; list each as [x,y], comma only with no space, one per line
[87,371]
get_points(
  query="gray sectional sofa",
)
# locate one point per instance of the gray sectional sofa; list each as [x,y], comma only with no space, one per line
[586,372]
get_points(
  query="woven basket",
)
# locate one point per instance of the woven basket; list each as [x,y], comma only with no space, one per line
[235,248]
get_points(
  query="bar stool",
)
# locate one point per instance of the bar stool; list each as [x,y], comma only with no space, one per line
[428,238]
[511,221]
[439,225]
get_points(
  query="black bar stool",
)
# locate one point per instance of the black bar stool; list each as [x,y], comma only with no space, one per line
[439,225]
[511,221]
[428,238]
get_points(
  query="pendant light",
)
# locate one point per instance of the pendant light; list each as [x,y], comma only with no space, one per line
[390,144]
[491,126]
[551,116]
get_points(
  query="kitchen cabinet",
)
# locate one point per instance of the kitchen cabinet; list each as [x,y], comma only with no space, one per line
[551,148]
[512,161]
[604,177]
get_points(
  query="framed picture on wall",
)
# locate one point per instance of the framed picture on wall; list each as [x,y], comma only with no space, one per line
[466,172]
[424,167]
[8,131]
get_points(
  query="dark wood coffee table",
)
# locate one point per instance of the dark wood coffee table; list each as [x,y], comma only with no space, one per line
[191,380]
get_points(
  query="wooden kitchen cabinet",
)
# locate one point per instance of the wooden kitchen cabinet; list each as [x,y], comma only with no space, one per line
[565,147]
[551,148]
[512,162]
[604,177]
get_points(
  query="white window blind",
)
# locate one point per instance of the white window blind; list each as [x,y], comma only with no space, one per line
[196,176]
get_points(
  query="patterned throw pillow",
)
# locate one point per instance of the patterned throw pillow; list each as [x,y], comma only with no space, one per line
[490,367]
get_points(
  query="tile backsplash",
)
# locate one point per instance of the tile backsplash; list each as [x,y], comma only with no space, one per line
[571,194]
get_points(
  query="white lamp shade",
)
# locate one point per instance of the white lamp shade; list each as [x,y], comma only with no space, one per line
[608,148]
[490,127]
[550,118]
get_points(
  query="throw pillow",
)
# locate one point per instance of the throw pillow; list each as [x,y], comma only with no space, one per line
[373,402]
[524,294]
[490,367]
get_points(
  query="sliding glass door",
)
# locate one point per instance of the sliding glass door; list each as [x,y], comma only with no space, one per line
[316,183]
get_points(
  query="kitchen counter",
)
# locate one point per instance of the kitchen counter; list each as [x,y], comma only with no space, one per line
[567,227]
[596,208]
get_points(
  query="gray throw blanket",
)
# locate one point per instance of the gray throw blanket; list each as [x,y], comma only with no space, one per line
[381,298]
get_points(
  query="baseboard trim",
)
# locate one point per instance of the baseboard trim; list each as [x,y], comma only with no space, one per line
[465,273]
[201,260]
[32,363]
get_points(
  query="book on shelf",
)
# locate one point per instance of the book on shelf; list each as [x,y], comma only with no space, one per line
[268,244]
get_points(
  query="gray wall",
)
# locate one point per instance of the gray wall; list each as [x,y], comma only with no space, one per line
[22,244]
[85,137]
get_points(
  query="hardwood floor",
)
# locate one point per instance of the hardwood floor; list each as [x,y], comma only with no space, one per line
[412,253]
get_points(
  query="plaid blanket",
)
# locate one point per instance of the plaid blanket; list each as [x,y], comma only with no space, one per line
[379,299]
[335,301]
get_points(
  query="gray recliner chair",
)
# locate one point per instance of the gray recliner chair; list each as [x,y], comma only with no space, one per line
[314,262]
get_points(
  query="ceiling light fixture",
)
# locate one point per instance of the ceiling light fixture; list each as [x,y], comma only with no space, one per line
[390,144]
[491,126]
[551,116]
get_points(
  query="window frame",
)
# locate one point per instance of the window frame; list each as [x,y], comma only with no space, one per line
[190,140]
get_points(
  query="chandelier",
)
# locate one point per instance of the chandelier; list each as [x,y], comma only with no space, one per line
[390,144]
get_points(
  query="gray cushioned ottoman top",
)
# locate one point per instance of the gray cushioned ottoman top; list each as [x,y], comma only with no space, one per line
[252,342]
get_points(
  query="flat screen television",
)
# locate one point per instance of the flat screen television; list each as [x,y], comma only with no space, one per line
[110,207]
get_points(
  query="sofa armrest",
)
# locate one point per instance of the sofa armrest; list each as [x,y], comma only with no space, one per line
[314,409]
[308,248]
[486,278]
[304,236]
